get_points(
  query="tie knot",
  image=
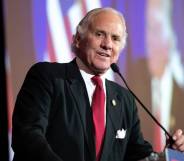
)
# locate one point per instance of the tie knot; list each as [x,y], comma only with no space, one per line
[97,80]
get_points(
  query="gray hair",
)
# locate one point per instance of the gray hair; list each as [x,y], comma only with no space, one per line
[83,25]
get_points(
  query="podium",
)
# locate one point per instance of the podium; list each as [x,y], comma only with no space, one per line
[173,155]
[167,155]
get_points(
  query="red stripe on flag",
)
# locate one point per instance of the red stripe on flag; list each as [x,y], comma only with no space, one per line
[51,51]
[68,29]
[84,8]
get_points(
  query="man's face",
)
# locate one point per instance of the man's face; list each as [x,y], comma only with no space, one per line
[102,43]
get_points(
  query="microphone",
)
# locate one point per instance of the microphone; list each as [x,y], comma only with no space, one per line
[170,140]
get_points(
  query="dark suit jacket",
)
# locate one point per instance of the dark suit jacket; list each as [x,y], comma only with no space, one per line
[52,119]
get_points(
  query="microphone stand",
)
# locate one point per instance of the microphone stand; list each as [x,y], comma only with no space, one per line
[170,140]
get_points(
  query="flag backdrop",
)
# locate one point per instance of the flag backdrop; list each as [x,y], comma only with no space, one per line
[152,62]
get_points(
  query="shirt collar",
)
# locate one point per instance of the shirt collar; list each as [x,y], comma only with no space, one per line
[86,76]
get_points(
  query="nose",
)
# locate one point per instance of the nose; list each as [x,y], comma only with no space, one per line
[106,43]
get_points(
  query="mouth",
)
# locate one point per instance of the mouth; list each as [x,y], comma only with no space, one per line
[103,54]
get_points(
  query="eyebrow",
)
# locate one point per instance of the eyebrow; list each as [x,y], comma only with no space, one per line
[104,32]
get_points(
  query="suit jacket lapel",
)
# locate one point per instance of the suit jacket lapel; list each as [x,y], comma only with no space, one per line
[114,117]
[79,92]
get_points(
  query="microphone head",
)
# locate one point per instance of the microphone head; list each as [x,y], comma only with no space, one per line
[114,67]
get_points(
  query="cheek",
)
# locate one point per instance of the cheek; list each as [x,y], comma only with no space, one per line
[115,57]
[88,53]
[114,60]
[87,47]
[93,42]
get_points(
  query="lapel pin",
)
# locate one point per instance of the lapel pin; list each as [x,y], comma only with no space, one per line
[114,102]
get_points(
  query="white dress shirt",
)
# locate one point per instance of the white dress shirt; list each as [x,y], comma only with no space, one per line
[90,86]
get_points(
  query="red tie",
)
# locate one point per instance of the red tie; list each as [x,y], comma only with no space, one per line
[98,103]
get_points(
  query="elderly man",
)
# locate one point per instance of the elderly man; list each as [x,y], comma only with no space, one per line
[70,112]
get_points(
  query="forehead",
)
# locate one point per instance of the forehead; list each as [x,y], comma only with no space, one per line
[108,21]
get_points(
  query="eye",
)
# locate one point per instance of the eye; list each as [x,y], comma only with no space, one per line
[116,38]
[98,33]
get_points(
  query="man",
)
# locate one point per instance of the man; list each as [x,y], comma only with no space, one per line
[64,113]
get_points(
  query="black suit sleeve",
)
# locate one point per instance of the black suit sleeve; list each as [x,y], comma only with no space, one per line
[30,117]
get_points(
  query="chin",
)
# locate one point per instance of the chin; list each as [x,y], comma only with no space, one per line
[103,65]
[100,67]
[101,70]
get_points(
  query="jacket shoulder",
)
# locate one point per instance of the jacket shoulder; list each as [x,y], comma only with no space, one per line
[48,66]
[48,69]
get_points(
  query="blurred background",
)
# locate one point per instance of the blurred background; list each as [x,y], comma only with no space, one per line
[152,62]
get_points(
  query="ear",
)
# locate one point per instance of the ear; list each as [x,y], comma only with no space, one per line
[76,40]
